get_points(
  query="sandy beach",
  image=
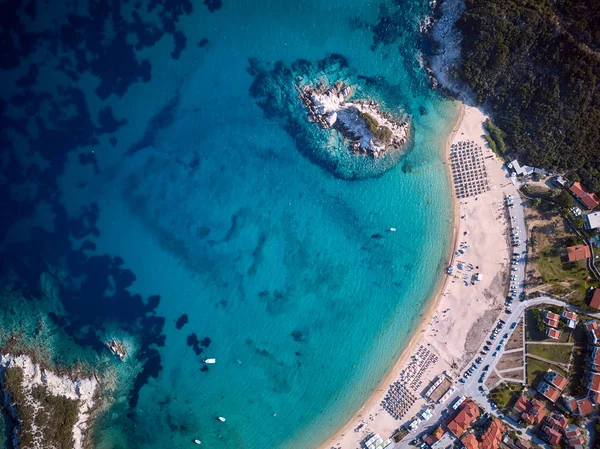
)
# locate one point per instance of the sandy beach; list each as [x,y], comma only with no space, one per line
[461,313]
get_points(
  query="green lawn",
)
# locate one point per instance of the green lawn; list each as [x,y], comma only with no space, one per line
[504,393]
[555,272]
[556,353]
[536,370]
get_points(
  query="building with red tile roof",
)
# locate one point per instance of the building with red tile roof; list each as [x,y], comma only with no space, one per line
[523,444]
[570,317]
[556,380]
[584,407]
[574,437]
[551,435]
[533,410]
[595,301]
[492,436]
[468,412]
[557,421]
[470,441]
[592,383]
[553,333]
[435,436]
[594,359]
[590,199]
[578,252]
[551,319]
[593,331]
[578,190]
[522,404]
[548,391]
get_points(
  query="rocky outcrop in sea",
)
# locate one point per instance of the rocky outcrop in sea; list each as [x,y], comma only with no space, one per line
[368,130]
[337,117]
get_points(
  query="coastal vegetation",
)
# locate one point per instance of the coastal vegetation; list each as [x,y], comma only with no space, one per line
[381,133]
[495,138]
[40,415]
[534,64]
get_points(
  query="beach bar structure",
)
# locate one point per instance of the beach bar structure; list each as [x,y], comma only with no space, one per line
[376,442]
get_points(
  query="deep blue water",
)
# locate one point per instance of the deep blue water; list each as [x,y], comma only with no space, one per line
[154,196]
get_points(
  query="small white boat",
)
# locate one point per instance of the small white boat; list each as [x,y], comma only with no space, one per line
[197,441]
[210,361]
[221,419]
[392,229]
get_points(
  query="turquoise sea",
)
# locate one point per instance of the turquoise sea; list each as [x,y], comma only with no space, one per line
[153,198]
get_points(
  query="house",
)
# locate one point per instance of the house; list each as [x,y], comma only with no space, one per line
[590,200]
[557,421]
[548,391]
[578,252]
[530,411]
[551,435]
[595,301]
[592,384]
[469,441]
[434,437]
[592,221]
[560,181]
[570,317]
[468,412]
[584,407]
[553,333]
[520,170]
[492,436]
[523,444]
[595,359]
[551,319]
[574,437]
[556,380]
[592,328]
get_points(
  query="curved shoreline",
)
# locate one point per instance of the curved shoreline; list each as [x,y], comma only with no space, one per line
[390,377]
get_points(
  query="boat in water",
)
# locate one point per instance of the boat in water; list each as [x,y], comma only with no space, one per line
[197,441]
[221,419]
[392,229]
[210,360]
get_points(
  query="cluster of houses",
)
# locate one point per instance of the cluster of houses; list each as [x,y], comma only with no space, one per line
[589,199]
[459,426]
[552,321]
[553,427]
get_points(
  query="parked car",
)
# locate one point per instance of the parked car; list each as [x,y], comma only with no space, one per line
[513,325]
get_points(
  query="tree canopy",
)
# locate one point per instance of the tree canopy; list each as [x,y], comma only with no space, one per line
[535,65]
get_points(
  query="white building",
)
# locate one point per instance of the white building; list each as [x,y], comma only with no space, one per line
[592,221]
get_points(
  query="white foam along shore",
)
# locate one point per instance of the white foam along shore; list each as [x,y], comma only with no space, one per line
[330,107]
[80,389]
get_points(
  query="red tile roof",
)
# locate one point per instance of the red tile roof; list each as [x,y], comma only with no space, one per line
[535,412]
[468,413]
[553,333]
[584,406]
[591,200]
[522,404]
[594,383]
[569,315]
[578,190]
[578,252]
[595,301]
[469,441]
[523,444]
[548,391]
[574,436]
[558,421]
[492,435]
[556,380]
[554,436]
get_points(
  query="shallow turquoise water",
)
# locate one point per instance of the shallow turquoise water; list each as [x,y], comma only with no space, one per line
[269,255]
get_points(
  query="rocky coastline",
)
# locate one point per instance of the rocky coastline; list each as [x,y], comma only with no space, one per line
[49,410]
[369,130]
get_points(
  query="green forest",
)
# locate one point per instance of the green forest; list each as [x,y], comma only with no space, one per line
[534,64]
